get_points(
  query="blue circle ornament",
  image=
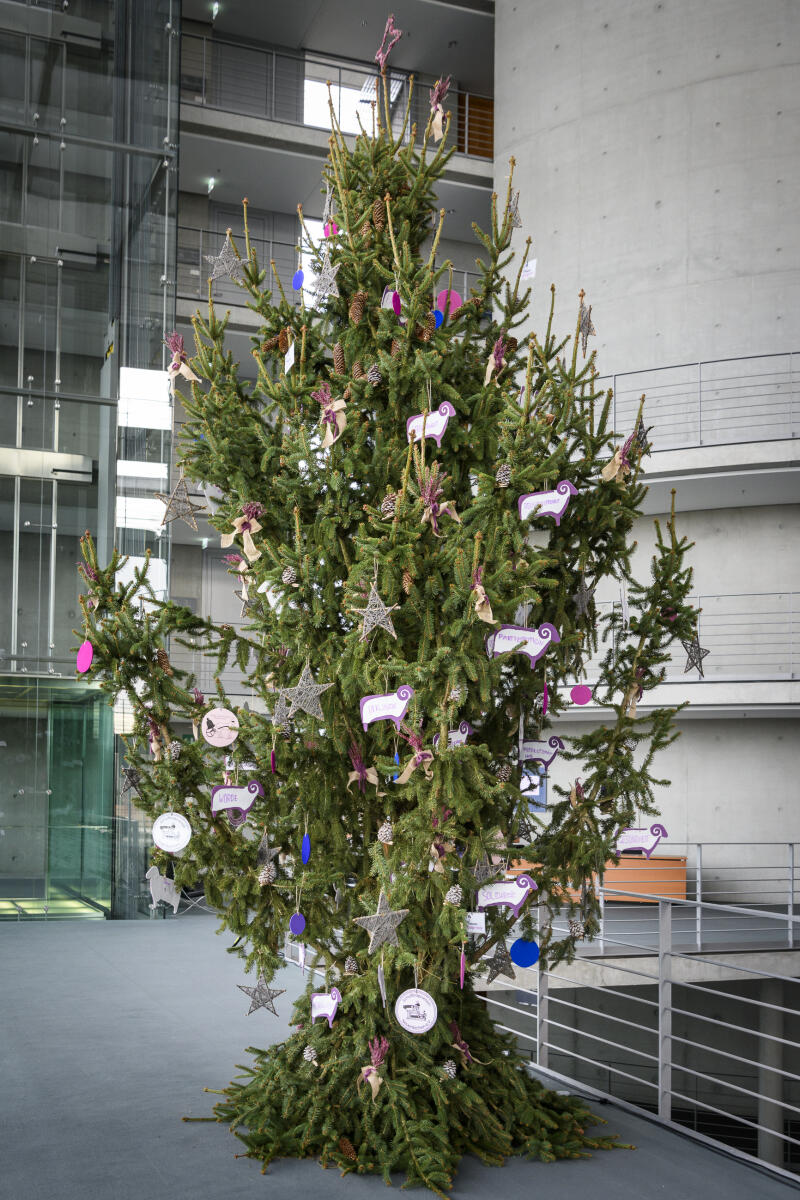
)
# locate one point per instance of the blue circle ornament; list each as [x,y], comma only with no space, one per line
[297,924]
[438,316]
[524,953]
[297,279]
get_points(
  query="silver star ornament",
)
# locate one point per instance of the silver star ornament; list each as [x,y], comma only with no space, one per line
[325,284]
[585,327]
[265,852]
[178,505]
[500,963]
[513,211]
[375,615]
[696,654]
[226,264]
[304,696]
[382,926]
[261,996]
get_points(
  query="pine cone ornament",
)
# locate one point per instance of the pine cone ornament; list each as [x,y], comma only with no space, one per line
[577,931]
[366,235]
[347,1148]
[389,506]
[269,345]
[163,661]
[503,475]
[358,371]
[175,748]
[408,582]
[351,965]
[378,213]
[454,895]
[504,772]
[283,341]
[374,375]
[310,1054]
[338,359]
[449,1068]
[395,350]
[385,834]
[425,332]
[267,874]
[357,306]
[289,577]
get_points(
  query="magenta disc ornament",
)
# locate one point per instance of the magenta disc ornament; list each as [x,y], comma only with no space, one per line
[396,303]
[85,656]
[580,694]
[297,923]
[448,299]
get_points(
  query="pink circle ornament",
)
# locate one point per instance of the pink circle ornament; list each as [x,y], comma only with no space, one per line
[85,656]
[580,694]
[448,298]
[220,727]
[330,229]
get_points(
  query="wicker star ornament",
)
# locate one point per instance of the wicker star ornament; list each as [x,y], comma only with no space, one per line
[261,996]
[304,696]
[325,284]
[696,654]
[500,963]
[382,926]
[226,264]
[178,505]
[376,615]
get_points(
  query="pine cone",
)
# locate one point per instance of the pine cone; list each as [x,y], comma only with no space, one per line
[503,475]
[408,582]
[175,748]
[374,375]
[269,344]
[267,874]
[283,341]
[396,348]
[163,661]
[347,1149]
[577,931]
[389,506]
[425,332]
[511,345]
[454,895]
[504,772]
[289,576]
[357,306]
[378,213]
[338,359]
[351,965]
[310,1054]
[449,1068]
[385,834]
[358,371]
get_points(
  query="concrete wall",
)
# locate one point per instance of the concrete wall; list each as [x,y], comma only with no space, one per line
[657,152]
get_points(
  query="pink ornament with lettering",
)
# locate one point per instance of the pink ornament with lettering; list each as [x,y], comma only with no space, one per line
[388,706]
[547,504]
[533,642]
[433,423]
[85,656]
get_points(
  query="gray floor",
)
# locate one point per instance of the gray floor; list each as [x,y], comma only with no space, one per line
[110,1031]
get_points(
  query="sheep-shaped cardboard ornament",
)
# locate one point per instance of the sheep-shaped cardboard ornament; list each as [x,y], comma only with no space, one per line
[325,1004]
[162,888]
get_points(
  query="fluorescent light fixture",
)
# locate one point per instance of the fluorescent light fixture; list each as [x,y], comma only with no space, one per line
[214,10]
[212,183]
[144,399]
[140,512]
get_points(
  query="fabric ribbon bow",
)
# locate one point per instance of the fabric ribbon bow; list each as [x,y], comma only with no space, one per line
[438,93]
[333,418]
[483,608]
[430,493]
[420,758]
[620,464]
[634,693]
[179,364]
[245,526]
[378,1049]
[462,1046]
[361,774]
[155,734]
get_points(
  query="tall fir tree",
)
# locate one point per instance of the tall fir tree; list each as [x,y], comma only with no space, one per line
[377,566]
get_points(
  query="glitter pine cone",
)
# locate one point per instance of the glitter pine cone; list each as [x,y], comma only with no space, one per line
[449,1068]
[504,772]
[351,965]
[388,506]
[503,475]
[385,834]
[267,874]
[454,895]
[175,748]
[289,576]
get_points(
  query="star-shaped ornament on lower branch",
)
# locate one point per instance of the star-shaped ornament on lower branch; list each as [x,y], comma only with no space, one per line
[483,870]
[382,926]
[265,852]
[304,696]
[325,284]
[500,963]
[178,505]
[583,596]
[696,654]
[226,264]
[376,615]
[261,996]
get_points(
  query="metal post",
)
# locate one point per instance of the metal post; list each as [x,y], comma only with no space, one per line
[699,404]
[699,898]
[665,1009]
[790,922]
[602,901]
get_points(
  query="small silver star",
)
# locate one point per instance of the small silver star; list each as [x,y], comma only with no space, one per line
[513,211]
[583,598]
[227,263]
[500,963]
[382,926]
[248,609]
[265,852]
[261,996]
[304,696]
[375,614]
[696,654]
[483,870]
[325,284]
[131,783]
[585,327]
[280,715]
[178,505]
[641,437]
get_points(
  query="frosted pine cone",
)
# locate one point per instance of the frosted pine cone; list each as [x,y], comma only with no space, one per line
[504,772]
[449,1068]
[374,375]
[267,874]
[385,834]
[577,931]
[378,213]
[408,582]
[289,577]
[338,359]
[310,1054]
[351,965]
[454,895]
[357,306]
[163,661]
[388,506]
[175,748]
[503,475]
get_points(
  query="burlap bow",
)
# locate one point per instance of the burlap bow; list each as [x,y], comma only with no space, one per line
[378,1049]
[463,1047]
[483,608]
[245,525]
[362,774]
[333,419]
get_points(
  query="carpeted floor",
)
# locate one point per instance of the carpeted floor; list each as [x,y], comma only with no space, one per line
[110,1031]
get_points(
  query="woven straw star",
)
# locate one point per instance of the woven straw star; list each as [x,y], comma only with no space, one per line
[304,696]
[325,284]
[178,505]
[696,654]
[382,926]
[375,615]
[261,996]
[500,963]
[226,264]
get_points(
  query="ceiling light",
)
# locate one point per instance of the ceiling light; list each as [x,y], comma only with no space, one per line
[211,184]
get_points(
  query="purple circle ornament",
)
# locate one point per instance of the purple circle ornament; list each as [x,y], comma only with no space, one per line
[85,656]
[297,279]
[396,303]
[297,924]
[580,694]
[524,953]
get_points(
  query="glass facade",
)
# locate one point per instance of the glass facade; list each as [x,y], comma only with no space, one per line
[88,186]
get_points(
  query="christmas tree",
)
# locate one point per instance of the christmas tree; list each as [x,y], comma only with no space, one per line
[418,512]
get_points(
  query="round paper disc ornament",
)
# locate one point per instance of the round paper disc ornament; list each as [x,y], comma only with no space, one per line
[220,727]
[297,923]
[450,297]
[171,832]
[438,317]
[85,656]
[524,953]
[297,279]
[416,1011]
[330,229]
[580,694]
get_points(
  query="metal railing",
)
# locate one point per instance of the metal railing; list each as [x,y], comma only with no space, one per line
[713,403]
[196,245]
[750,636]
[703,1040]
[281,86]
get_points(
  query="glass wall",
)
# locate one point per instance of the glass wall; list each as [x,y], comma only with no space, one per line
[88,185]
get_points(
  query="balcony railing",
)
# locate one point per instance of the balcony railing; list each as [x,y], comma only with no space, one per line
[716,403]
[751,636]
[194,245]
[261,82]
